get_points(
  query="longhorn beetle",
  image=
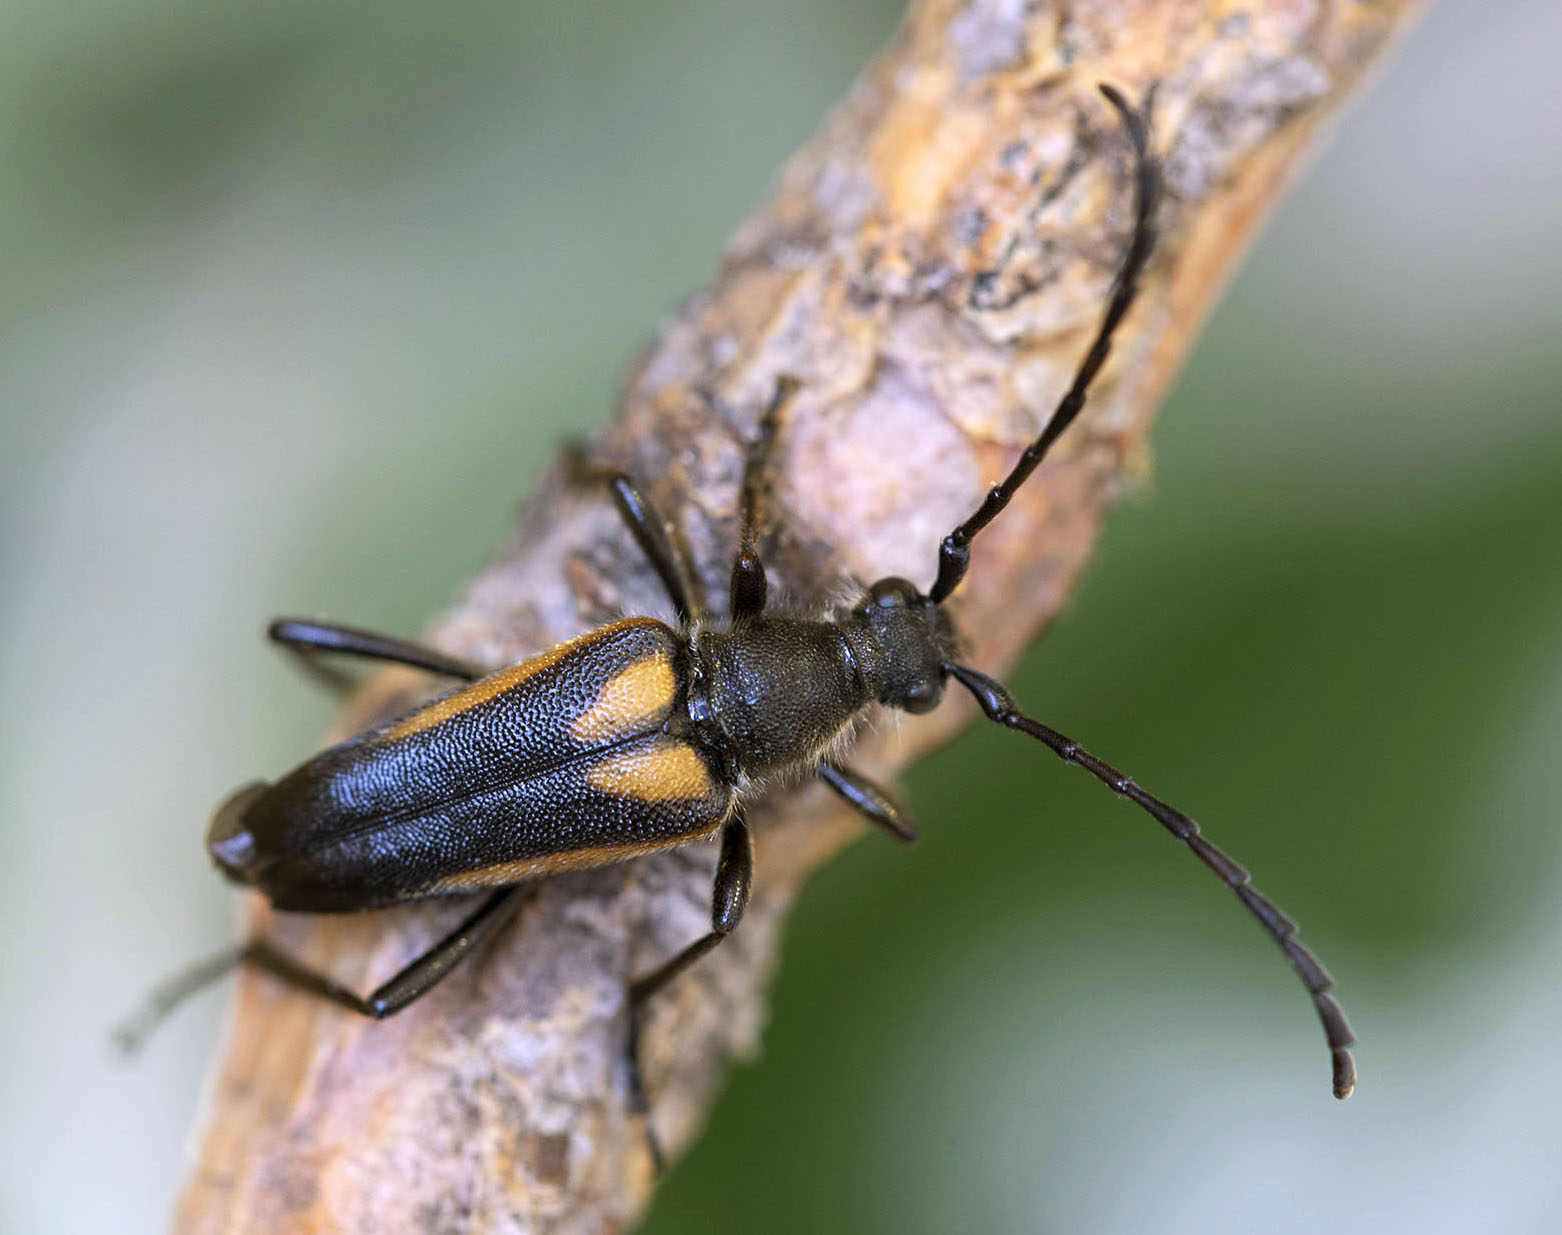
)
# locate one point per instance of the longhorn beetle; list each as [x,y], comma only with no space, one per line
[640,736]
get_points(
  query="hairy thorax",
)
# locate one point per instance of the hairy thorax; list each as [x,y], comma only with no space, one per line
[773,692]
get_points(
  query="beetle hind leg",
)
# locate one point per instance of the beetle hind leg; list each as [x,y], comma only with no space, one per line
[729,898]
[409,984]
[131,1034]
[414,980]
[311,638]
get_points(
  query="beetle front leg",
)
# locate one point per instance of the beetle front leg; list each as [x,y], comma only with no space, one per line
[749,588]
[872,802]
[415,980]
[734,878]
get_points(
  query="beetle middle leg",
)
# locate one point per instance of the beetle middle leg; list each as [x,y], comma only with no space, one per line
[644,523]
[729,898]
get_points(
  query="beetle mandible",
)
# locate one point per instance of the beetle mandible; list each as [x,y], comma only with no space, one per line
[640,735]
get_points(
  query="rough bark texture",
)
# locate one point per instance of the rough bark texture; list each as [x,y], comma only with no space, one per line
[930,268]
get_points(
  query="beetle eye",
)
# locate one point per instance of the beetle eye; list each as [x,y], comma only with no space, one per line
[892,593]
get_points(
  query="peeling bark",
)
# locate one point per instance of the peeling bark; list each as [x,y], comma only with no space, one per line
[930,268]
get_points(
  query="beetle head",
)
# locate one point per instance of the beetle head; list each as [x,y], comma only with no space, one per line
[914,639]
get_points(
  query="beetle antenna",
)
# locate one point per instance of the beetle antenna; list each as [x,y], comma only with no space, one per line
[131,1034]
[999,706]
[954,553]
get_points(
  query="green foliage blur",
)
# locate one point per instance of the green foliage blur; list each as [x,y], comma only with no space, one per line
[296,300]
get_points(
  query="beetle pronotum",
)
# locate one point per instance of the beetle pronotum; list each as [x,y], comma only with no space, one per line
[640,735]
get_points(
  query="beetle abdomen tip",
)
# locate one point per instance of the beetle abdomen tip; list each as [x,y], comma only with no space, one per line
[230,843]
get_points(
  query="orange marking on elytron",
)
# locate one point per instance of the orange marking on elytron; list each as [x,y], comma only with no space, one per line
[481,692]
[632,701]
[669,771]
[552,863]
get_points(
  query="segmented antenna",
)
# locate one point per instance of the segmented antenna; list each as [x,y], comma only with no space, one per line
[999,706]
[954,553]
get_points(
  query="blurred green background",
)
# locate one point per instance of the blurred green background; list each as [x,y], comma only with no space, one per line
[297,299]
